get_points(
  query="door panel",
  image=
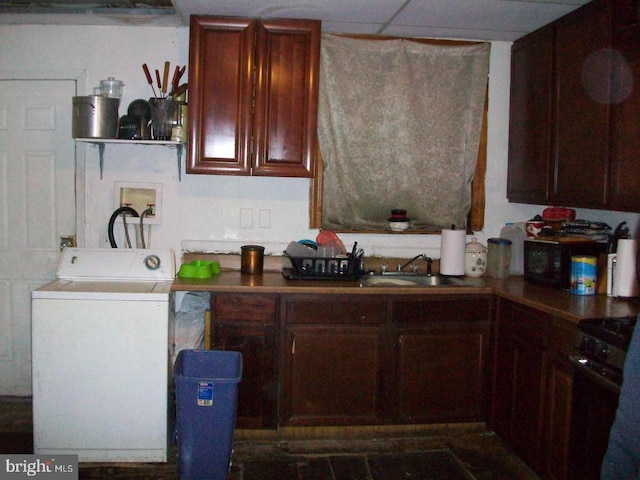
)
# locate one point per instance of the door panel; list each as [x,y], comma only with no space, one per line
[37,206]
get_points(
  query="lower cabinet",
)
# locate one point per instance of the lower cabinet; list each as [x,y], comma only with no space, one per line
[335,354]
[441,364]
[532,389]
[332,375]
[385,360]
[521,367]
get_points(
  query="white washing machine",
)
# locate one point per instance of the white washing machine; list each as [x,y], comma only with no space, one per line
[100,342]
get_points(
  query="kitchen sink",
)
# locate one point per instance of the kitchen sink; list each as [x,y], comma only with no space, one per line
[404,280]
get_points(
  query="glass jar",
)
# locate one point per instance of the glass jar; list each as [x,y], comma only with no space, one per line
[475,259]
[111,88]
[498,257]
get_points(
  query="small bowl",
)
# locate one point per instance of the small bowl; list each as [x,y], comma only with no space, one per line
[199,269]
[399,226]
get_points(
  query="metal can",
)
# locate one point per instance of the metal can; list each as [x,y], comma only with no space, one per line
[583,275]
[251,259]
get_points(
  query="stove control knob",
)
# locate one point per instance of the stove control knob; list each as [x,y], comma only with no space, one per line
[587,344]
[601,350]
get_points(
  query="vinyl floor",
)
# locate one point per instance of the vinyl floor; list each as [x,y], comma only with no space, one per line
[454,456]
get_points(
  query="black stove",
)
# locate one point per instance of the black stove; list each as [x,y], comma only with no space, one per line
[600,349]
[601,345]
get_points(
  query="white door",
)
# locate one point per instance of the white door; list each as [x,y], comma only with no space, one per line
[37,206]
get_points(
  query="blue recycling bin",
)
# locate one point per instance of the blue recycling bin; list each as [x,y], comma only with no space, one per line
[206,399]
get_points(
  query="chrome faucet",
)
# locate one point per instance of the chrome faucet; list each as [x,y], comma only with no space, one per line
[422,256]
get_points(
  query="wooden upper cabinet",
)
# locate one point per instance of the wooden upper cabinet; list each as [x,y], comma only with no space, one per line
[253,96]
[624,182]
[583,86]
[530,169]
[286,111]
[563,138]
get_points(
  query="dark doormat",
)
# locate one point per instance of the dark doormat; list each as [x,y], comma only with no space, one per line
[16,442]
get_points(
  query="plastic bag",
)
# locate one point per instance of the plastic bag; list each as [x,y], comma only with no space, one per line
[187,325]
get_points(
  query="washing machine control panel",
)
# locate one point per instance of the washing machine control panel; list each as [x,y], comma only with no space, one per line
[116,264]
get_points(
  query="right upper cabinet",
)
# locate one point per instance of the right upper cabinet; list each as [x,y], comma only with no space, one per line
[574,121]
[253,96]
[624,178]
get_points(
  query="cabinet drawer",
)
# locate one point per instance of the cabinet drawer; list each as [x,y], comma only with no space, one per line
[453,308]
[244,308]
[344,310]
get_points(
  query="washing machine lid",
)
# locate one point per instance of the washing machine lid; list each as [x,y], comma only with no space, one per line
[113,264]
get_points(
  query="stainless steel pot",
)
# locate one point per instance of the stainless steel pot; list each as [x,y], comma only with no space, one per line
[95,117]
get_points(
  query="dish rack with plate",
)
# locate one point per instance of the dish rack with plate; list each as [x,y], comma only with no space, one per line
[323,268]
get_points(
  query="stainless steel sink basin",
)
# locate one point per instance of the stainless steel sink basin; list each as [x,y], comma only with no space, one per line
[400,280]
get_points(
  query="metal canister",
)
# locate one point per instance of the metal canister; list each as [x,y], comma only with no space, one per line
[95,117]
[583,275]
[252,259]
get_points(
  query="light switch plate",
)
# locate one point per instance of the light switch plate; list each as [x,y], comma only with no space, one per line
[246,218]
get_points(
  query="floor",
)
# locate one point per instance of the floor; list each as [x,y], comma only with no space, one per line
[453,456]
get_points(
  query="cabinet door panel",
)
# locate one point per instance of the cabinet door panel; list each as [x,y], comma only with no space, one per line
[520,371]
[441,376]
[246,323]
[625,155]
[257,391]
[529,172]
[582,107]
[220,95]
[558,418]
[332,376]
[285,118]
[526,423]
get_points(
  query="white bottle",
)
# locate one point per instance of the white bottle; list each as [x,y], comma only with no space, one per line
[517,236]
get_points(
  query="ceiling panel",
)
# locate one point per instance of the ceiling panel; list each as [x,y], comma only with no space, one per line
[349,11]
[483,19]
[464,19]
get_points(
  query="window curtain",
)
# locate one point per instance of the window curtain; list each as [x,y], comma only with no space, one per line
[399,127]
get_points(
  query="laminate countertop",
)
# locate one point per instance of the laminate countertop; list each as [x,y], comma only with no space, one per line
[556,302]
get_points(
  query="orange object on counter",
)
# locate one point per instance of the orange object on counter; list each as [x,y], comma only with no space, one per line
[329,238]
[559,213]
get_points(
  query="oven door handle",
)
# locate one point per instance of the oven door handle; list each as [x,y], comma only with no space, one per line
[582,366]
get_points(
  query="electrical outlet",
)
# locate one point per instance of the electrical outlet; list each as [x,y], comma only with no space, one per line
[140,197]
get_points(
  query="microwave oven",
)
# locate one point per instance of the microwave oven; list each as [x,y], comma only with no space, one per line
[547,261]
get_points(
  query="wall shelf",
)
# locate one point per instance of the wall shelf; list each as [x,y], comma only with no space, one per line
[101,142]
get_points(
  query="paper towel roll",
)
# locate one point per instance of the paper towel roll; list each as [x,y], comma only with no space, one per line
[452,247]
[625,282]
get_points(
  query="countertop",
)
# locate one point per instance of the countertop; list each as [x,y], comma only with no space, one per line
[555,302]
